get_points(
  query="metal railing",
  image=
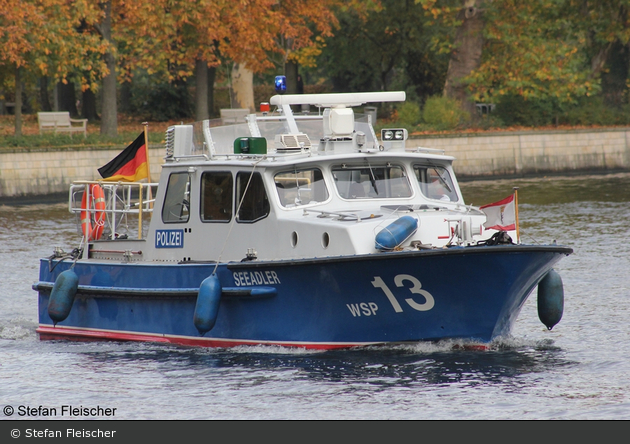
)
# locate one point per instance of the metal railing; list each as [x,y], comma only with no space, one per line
[121,207]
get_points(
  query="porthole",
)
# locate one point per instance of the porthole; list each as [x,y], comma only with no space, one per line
[325,240]
[294,239]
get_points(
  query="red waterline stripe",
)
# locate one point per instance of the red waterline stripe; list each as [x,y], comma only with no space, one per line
[49,333]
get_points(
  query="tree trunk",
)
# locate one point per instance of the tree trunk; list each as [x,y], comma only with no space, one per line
[466,55]
[201,90]
[109,111]
[124,104]
[88,110]
[67,98]
[43,94]
[291,73]
[18,101]
[242,87]
[295,85]
[615,76]
[212,72]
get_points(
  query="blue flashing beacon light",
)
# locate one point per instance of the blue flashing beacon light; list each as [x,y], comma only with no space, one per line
[281,84]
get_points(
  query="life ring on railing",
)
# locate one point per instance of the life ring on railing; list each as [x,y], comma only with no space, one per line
[95,200]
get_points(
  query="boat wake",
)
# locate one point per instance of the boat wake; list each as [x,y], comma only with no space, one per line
[448,345]
[18,329]
[454,345]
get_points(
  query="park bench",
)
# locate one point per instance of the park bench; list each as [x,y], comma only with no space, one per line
[234,115]
[60,122]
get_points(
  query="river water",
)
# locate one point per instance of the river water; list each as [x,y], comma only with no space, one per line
[578,370]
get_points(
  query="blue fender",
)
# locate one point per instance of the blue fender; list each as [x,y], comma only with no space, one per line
[396,233]
[550,299]
[207,307]
[62,295]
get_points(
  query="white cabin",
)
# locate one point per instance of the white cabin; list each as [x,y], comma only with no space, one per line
[287,185]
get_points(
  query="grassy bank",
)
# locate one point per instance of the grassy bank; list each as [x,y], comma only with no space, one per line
[128,130]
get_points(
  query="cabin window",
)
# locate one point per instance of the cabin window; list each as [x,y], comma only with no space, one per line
[371,181]
[176,206]
[216,196]
[252,201]
[300,187]
[436,183]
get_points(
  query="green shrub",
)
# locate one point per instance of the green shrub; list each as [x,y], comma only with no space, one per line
[490,121]
[515,110]
[594,111]
[409,114]
[157,99]
[442,113]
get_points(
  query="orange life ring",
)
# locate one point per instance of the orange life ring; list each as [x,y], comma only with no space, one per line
[95,200]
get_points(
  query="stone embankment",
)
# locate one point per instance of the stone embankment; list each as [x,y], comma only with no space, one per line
[28,173]
[41,172]
[531,153]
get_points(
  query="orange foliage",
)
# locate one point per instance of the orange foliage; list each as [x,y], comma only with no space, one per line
[158,33]
[43,36]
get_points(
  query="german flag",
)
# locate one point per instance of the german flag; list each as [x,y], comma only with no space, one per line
[130,165]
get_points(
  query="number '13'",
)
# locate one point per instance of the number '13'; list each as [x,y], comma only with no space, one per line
[416,288]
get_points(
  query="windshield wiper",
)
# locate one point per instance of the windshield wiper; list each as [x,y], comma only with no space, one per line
[373,179]
[298,197]
[443,181]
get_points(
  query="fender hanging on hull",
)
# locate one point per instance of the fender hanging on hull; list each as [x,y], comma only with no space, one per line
[62,295]
[351,300]
[550,299]
[207,306]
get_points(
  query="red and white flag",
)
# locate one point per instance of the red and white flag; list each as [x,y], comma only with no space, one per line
[500,215]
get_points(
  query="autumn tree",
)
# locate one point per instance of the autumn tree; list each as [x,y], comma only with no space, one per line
[533,50]
[540,49]
[187,38]
[466,52]
[109,106]
[385,45]
[178,38]
[124,30]
[40,37]
[159,36]
[605,28]
[175,38]
[300,33]
[550,50]
[18,46]
[276,34]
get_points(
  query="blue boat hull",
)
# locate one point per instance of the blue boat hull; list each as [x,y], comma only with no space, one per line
[469,293]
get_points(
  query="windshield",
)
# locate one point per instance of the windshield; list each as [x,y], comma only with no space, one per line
[371,181]
[300,187]
[435,183]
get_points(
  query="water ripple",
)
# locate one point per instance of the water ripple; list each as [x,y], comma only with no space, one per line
[578,370]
